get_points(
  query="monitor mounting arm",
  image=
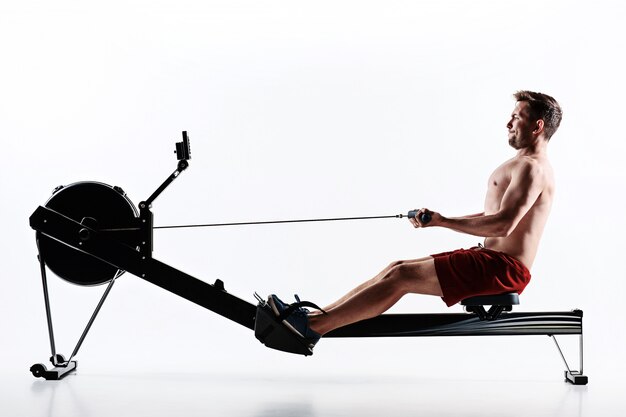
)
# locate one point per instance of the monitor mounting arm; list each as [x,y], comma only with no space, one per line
[146,218]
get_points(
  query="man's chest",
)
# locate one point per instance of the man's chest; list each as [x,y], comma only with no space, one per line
[499,182]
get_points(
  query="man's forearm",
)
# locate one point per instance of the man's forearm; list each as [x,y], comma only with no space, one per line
[471,216]
[477,225]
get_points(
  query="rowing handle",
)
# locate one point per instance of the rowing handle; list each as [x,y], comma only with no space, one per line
[424,217]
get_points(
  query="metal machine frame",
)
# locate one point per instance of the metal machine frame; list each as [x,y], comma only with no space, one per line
[85,237]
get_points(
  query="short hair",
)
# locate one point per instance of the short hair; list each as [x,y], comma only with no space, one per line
[543,107]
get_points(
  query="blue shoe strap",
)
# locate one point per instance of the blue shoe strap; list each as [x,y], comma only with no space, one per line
[293,307]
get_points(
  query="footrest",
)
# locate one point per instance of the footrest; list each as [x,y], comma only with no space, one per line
[273,334]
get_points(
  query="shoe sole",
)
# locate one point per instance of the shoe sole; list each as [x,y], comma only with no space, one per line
[272,304]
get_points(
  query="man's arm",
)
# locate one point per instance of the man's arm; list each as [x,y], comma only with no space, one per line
[526,185]
[471,216]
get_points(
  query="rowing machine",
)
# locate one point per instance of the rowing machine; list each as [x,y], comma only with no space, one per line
[90,233]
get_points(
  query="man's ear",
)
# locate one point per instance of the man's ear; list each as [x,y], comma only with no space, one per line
[538,126]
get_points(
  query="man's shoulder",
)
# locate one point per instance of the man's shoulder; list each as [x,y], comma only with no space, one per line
[525,168]
[533,170]
[529,165]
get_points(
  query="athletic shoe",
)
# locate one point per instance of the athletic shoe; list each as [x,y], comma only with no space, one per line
[277,305]
[295,317]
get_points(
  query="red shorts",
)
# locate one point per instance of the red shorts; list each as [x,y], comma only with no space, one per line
[466,273]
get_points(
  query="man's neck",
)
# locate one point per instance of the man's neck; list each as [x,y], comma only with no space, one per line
[536,149]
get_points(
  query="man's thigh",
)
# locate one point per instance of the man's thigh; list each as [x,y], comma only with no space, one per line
[420,276]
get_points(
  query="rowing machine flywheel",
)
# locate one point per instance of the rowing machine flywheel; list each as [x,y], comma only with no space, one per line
[98,206]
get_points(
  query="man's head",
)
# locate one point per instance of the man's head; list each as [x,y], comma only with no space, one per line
[535,115]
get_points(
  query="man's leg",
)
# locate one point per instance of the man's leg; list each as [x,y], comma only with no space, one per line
[372,281]
[380,293]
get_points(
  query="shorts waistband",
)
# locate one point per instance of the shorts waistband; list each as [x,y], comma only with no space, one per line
[482,247]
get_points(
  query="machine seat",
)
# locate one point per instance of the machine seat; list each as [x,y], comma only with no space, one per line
[499,303]
[508,299]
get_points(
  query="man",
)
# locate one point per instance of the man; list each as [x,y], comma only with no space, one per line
[517,204]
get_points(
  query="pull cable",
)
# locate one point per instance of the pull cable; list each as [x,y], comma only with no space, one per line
[278,222]
[424,218]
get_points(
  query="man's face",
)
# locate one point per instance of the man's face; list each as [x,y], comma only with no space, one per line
[520,126]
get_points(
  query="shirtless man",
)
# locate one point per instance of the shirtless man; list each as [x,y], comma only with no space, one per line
[518,201]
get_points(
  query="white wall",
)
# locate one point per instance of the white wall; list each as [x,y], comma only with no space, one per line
[332,108]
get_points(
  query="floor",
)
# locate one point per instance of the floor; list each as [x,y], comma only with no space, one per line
[185,394]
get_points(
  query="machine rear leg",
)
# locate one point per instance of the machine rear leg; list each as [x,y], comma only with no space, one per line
[573,376]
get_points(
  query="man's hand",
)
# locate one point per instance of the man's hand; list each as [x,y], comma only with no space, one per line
[434,221]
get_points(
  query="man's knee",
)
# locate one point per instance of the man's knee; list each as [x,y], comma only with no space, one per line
[400,272]
[394,264]
[412,277]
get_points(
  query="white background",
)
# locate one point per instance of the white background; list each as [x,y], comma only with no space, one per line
[299,110]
